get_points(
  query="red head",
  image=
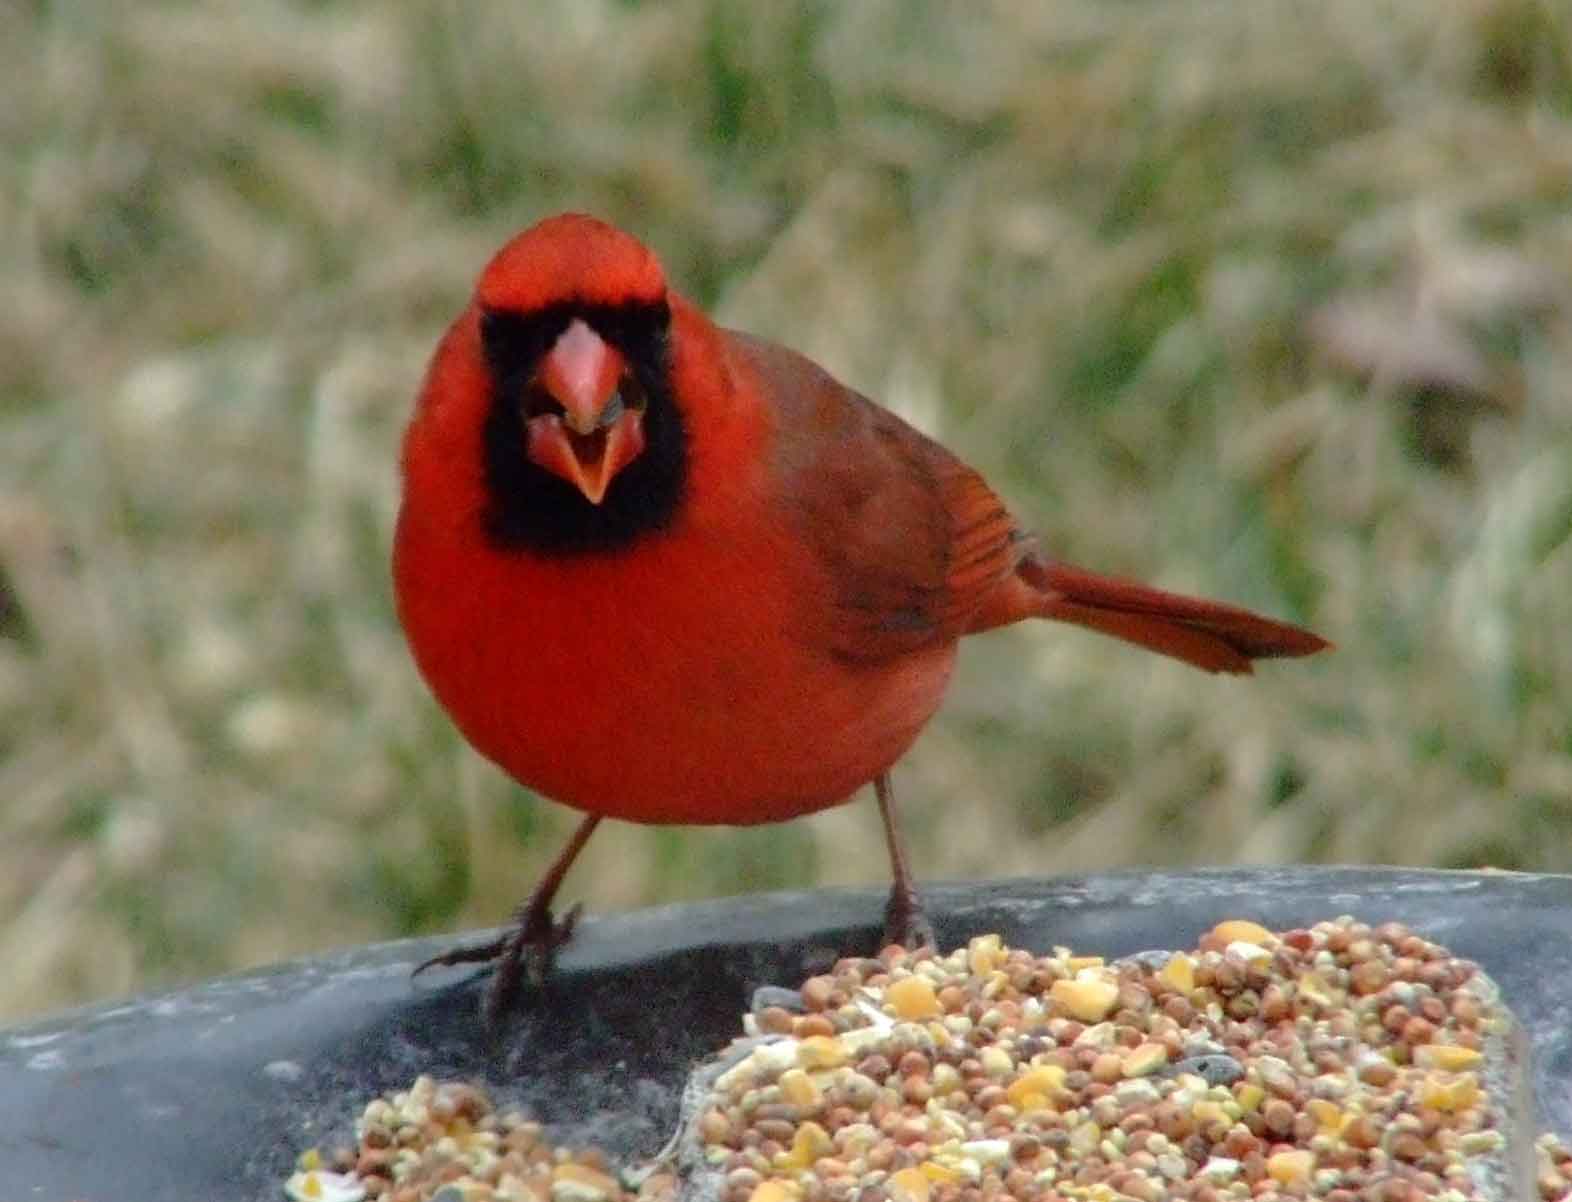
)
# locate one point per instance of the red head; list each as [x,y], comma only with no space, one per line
[574,321]
[571,257]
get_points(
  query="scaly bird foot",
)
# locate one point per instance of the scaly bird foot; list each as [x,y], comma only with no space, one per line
[905,923]
[523,956]
[527,956]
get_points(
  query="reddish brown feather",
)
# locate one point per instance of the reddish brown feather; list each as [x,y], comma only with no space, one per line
[1209,634]
[912,541]
[983,539]
[919,550]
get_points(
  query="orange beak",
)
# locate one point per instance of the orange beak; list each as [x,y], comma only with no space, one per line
[596,435]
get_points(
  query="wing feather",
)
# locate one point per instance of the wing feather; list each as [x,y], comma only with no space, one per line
[913,542]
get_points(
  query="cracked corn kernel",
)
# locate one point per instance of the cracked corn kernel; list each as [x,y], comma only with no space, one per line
[1179,973]
[774,1190]
[910,1184]
[1448,1093]
[1248,1094]
[913,998]
[984,954]
[800,1089]
[1146,1058]
[1086,999]
[941,1174]
[1329,1116]
[1035,1088]
[1447,1056]
[811,1143]
[821,1051]
[1292,1167]
[1241,930]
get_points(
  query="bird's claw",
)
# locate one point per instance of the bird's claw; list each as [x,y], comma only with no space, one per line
[474,953]
[525,956]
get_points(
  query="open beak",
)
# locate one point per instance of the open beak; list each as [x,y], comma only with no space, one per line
[597,432]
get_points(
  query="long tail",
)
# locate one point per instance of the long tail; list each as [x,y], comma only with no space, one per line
[1208,634]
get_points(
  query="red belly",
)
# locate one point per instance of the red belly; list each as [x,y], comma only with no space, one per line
[621,689]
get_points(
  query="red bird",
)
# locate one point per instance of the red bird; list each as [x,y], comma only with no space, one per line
[670,573]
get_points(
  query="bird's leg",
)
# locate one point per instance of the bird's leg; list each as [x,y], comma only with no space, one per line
[529,948]
[904,922]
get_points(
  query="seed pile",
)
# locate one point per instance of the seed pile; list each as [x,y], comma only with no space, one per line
[443,1142]
[1342,1062]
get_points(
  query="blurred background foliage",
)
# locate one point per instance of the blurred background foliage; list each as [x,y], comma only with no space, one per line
[1271,301]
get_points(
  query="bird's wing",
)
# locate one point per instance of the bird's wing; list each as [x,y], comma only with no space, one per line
[914,543]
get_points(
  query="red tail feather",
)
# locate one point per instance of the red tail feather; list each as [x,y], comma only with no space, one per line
[1208,634]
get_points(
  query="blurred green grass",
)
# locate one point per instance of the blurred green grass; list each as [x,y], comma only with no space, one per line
[1269,301]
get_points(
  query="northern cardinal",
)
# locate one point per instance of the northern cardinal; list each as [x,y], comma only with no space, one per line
[671,573]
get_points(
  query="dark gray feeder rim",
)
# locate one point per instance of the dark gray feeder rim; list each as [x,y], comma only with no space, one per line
[211,1092]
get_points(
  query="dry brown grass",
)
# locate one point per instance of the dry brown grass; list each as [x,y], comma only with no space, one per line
[1268,301]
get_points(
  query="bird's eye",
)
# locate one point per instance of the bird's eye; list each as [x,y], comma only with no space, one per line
[613,410]
[631,392]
